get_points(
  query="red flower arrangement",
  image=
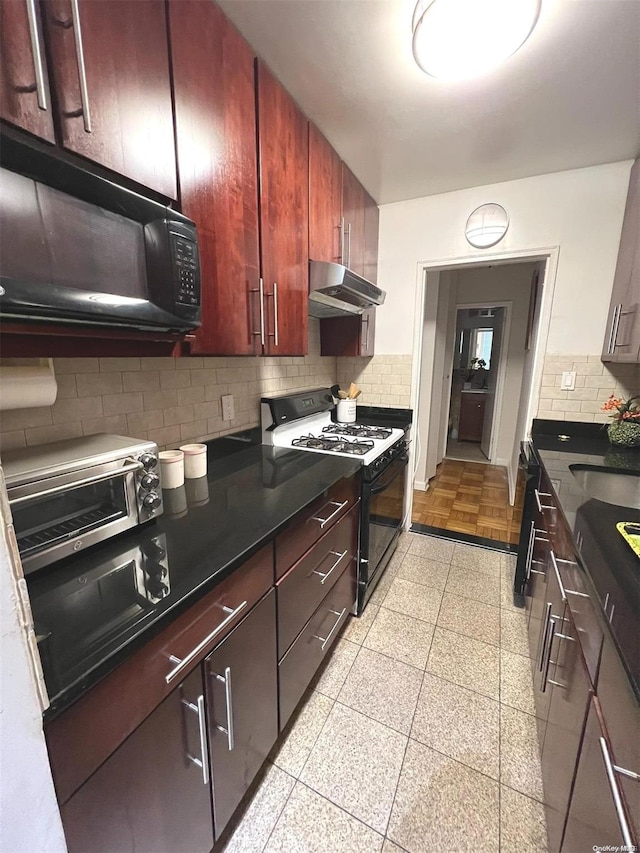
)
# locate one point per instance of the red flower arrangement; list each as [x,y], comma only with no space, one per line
[623,410]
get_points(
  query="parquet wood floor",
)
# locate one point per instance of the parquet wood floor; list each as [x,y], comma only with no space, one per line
[471,498]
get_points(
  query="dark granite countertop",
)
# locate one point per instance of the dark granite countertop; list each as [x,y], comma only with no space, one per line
[605,556]
[93,610]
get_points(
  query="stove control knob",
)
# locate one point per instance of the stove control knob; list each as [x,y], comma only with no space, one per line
[149,461]
[149,481]
[151,501]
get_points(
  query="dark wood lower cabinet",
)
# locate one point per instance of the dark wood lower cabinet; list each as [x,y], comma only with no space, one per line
[471,416]
[596,817]
[312,645]
[152,795]
[569,689]
[242,708]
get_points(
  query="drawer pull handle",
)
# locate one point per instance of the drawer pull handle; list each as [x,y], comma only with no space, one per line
[325,575]
[539,495]
[615,793]
[228,698]
[558,578]
[202,761]
[325,640]
[181,663]
[338,507]
[624,772]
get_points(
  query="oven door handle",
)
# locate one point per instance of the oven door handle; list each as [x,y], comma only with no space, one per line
[130,465]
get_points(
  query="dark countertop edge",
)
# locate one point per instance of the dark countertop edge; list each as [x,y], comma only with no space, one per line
[62,701]
[593,594]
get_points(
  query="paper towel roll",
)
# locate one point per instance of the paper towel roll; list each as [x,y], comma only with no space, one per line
[27,387]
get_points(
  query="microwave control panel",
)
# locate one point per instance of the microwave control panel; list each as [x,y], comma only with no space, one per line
[186,270]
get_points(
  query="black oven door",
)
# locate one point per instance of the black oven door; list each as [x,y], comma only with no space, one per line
[382,516]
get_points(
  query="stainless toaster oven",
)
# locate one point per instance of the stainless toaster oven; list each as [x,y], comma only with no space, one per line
[68,495]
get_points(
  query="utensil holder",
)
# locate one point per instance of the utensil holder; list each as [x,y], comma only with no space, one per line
[346,411]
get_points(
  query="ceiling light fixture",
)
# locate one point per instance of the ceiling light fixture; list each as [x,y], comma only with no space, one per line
[457,39]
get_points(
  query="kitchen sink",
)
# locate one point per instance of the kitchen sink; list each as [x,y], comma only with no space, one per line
[621,488]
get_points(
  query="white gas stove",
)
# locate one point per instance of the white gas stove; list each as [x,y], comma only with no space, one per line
[302,421]
[293,420]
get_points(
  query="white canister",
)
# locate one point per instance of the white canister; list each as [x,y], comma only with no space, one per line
[171,468]
[346,411]
[195,460]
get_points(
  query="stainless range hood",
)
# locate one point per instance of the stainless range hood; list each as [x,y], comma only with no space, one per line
[335,291]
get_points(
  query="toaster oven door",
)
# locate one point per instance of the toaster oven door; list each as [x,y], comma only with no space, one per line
[71,512]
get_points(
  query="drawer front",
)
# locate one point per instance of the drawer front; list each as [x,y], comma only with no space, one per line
[299,665]
[85,735]
[302,589]
[313,521]
[584,612]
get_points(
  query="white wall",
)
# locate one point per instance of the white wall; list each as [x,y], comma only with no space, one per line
[580,211]
[29,817]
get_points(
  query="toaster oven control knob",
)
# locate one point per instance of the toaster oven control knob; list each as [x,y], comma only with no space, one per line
[149,481]
[151,501]
[148,461]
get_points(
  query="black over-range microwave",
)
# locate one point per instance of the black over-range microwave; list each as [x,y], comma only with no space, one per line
[78,248]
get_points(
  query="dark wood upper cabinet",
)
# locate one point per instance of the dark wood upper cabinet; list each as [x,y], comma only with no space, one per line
[242,707]
[354,336]
[622,336]
[112,90]
[25,98]
[353,209]
[283,151]
[152,794]
[213,78]
[371,228]
[326,226]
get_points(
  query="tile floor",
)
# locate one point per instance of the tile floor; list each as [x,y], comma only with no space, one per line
[419,734]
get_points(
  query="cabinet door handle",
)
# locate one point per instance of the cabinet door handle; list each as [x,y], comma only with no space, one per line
[325,640]
[228,698]
[325,575]
[260,291]
[615,793]
[543,635]
[615,325]
[181,663]
[349,246]
[341,227]
[551,630]
[82,70]
[539,495]
[275,313]
[36,50]
[201,762]
[338,507]
[365,346]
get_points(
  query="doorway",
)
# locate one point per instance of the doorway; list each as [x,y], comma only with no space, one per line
[476,382]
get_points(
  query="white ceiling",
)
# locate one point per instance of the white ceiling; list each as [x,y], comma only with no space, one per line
[569,98]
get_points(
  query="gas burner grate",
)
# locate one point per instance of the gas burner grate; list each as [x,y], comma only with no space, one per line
[358,430]
[333,444]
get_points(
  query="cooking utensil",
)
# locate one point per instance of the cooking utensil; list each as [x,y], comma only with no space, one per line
[342,394]
[335,390]
[352,390]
